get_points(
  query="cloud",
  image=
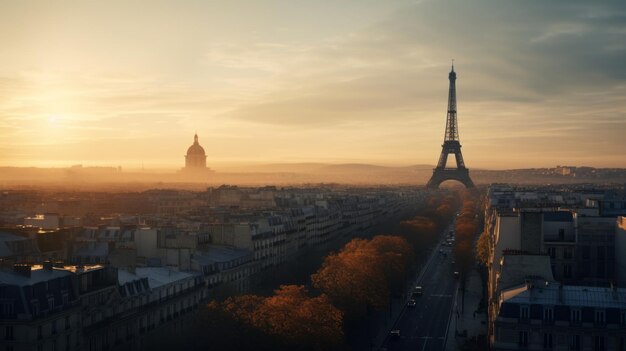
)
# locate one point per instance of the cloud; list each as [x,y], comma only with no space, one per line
[533,74]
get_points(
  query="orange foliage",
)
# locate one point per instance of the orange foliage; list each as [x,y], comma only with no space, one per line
[364,272]
[291,316]
[466,229]
[296,317]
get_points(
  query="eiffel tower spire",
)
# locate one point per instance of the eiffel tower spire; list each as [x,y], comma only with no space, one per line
[452,132]
[451,145]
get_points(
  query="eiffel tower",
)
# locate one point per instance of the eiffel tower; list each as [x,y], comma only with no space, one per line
[451,145]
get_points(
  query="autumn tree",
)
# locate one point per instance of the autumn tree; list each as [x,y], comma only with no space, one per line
[396,256]
[419,232]
[290,319]
[364,273]
[482,249]
[225,326]
[353,278]
[466,230]
[307,323]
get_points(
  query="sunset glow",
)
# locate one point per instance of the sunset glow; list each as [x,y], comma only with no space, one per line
[117,83]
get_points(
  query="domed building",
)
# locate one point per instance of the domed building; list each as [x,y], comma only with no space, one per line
[196,157]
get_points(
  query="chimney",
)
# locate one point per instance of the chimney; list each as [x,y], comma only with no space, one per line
[22,269]
[614,294]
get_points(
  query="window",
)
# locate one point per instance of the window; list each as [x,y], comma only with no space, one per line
[524,312]
[575,315]
[567,271]
[598,343]
[523,338]
[35,307]
[54,327]
[599,317]
[67,322]
[552,252]
[51,303]
[567,253]
[575,343]
[39,332]
[8,332]
[6,309]
[547,341]
[561,234]
[622,318]
[548,314]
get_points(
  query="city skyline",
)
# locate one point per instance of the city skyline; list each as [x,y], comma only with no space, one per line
[117,84]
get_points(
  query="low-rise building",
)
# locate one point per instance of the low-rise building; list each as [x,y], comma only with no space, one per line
[548,316]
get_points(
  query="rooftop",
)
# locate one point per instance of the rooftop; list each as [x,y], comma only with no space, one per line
[5,250]
[157,276]
[517,268]
[567,295]
[37,275]
[219,253]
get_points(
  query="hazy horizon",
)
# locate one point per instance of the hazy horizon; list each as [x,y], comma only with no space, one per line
[128,84]
[281,167]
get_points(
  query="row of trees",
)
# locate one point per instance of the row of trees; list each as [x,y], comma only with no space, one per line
[361,277]
[287,320]
[365,273]
[466,228]
[423,230]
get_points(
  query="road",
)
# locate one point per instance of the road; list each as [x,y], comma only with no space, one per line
[425,326]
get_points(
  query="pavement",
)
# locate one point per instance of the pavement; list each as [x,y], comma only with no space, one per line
[426,326]
[467,323]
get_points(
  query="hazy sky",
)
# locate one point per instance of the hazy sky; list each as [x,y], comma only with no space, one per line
[540,83]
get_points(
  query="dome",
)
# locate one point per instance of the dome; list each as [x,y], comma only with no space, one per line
[196,149]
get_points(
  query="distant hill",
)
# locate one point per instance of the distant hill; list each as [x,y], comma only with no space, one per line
[361,167]
[299,173]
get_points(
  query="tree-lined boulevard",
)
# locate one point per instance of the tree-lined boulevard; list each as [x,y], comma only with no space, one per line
[355,293]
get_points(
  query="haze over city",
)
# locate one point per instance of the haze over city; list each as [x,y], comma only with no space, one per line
[120,83]
[312,175]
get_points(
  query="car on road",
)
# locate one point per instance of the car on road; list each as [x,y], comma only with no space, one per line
[411,303]
[418,291]
[395,334]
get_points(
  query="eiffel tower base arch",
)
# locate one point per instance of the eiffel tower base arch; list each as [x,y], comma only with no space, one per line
[440,175]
